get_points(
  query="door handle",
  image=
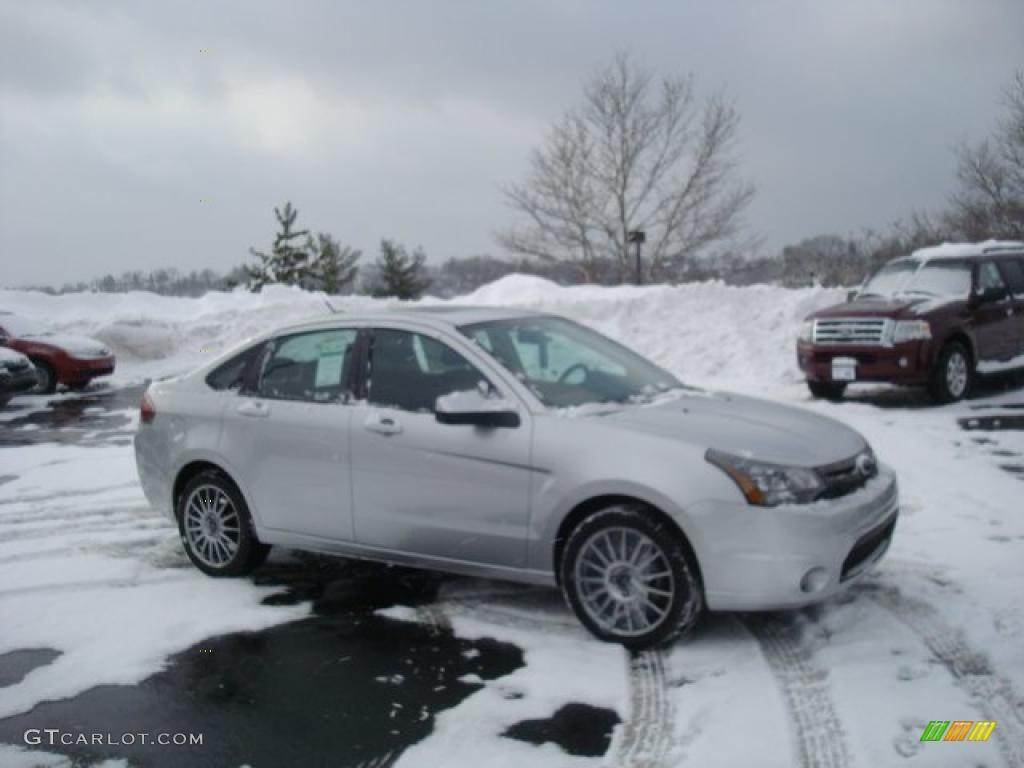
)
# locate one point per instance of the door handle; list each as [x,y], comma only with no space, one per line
[254,408]
[382,425]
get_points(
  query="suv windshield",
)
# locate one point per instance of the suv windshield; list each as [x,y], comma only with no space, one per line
[565,364]
[939,277]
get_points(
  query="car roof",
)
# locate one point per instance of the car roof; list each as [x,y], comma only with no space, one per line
[440,316]
[969,250]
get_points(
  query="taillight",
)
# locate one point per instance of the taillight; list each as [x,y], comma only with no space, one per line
[147,411]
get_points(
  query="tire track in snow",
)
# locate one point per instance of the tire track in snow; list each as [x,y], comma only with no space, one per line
[820,737]
[648,740]
[992,694]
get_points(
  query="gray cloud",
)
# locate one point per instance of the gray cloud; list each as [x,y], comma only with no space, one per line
[400,119]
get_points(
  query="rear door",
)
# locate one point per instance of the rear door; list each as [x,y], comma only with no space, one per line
[449,491]
[995,326]
[286,434]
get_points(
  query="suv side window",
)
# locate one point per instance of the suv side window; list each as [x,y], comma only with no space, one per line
[229,374]
[989,277]
[410,371]
[312,367]
[1013,271]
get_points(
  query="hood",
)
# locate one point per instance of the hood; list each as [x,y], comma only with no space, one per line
[746,426]
[894,307]
[78,346]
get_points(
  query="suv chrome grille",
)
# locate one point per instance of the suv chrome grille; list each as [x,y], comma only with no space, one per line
[850,330]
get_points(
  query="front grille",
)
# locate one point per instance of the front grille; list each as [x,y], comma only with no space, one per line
[850,330]
[869,547]
[844,477]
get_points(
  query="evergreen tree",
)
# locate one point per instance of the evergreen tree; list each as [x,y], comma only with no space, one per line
[399,274]
[334,266]
[287,262]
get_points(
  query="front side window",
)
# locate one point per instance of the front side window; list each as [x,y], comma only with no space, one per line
[313,367]
[410,371]
[1013,270]
[565,364]
[989,278]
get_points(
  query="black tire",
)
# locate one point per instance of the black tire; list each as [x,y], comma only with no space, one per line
[682,609]
[80,386]
[827,390]
[952,376]
[46,379]
[249,553]
[5,398]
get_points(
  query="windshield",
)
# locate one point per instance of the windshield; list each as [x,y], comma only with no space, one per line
[566,364]
[19,327]
[940,277]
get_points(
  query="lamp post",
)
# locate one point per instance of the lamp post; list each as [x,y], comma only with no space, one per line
[637,237]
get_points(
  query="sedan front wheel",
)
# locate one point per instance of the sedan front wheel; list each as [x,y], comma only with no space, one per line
[629,579]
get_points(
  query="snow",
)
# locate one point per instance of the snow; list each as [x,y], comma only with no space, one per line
[937,632]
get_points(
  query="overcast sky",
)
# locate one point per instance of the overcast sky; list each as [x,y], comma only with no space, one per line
[400,119]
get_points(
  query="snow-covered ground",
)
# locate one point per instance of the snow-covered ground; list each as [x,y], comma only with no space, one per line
[937,633]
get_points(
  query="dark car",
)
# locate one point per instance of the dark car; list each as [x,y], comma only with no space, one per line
[16,375]
[58,358]
[938,318]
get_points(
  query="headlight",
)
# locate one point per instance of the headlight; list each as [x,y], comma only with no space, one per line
[911,330]
[807,331]
[768,485]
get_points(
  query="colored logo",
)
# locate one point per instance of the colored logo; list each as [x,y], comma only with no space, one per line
[958,730]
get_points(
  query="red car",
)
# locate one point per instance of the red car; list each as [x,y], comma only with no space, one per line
[59,358]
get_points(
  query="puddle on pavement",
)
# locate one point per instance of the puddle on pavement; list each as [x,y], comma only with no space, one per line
[15,665]
[993,423]
[344,687]
[578,729]
[93,418]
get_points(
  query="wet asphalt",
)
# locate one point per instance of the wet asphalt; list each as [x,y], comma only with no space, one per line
[344,687]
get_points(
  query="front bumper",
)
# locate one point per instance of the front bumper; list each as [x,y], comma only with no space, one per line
[18,381]
[906,363]
[83,370]
[764,558]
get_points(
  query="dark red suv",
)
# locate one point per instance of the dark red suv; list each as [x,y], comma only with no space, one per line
[58,358]
[938,318]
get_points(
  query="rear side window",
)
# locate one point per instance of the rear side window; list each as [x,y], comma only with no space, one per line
[229,375]
[313,367]
[1013,271]
[989,277]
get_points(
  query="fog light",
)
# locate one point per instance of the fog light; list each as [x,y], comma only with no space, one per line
[903,362]
[814,580]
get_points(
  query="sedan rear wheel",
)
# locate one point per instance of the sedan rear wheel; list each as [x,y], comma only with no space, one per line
[629,579]
[46,379]
[216,529]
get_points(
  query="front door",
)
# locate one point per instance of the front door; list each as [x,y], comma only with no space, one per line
[995,327]
[458,492]
[287,437]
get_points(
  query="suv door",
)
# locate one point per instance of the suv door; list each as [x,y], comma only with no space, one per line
[458,492]
[995,327]
[286,434]
[1013,271]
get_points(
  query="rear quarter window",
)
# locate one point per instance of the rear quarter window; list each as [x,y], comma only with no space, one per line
[229,374]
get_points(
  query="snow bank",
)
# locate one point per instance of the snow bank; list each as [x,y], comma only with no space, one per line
[701,331]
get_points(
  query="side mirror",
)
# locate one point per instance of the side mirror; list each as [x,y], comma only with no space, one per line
[475,407]
[990,295]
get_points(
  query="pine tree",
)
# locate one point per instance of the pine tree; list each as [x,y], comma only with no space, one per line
[287,263]
[400,275]
[334,265]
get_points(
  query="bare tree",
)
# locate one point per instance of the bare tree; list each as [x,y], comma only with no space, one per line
[990,201]
[635,155]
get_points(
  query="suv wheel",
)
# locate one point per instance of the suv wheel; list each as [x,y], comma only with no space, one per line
[951,378]
[629,579]
[215,527]
[46,379]
[827,390]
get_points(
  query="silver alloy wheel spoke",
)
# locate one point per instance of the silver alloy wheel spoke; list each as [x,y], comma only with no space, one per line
[624,581]
[212,526]
[956,374]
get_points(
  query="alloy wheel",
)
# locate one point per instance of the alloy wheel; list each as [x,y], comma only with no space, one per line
[956,374]
[212,526]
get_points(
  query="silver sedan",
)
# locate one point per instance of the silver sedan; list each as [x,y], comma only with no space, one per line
[519,446]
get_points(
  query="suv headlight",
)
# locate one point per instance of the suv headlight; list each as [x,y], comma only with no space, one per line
[807,331]
[768,485]
[911,330]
